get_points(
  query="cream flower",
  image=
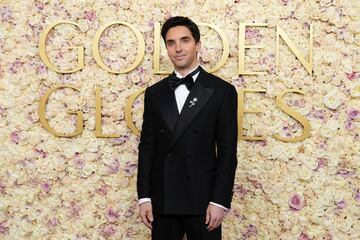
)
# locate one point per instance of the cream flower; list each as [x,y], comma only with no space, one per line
[333,99]
[355,91]
[51,172]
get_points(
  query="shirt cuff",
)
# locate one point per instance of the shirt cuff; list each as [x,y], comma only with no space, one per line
[144,200]
[219,206]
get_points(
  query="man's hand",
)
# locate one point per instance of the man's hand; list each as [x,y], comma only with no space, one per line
[146,215]
[214,216]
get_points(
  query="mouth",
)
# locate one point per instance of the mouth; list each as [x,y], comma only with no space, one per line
[179,57]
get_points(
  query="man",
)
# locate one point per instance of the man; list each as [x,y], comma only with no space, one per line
[187,149]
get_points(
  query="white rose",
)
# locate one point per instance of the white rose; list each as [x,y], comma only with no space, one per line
[345,225]
[92,146]
[89,220]
[333,99]
[355,91]
[88,169]
[305,173]
[329,128]
[355,26]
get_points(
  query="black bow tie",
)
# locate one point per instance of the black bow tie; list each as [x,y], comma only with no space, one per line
[188,80]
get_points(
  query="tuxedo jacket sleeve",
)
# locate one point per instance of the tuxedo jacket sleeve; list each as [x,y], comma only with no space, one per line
[226,144]
[147,147]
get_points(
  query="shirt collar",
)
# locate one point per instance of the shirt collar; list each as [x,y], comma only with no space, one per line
[194,77]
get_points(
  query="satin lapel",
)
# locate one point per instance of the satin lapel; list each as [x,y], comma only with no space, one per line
[202,94]
[168,107]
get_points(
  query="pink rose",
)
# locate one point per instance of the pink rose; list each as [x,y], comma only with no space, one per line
[284,2]
[41,152]
[15,66]
[357,195]
[46,186]
[6,14]
[130,168]
[91,15]
[3,228]
[102,190]
[349,125]
[79,162]
[353,114]
[41,69]
[322,162]
[303,236]
[351,76]
[53,222]
[328,237]
[108,230]
[251,230]
[74,209]
[2,187]
[296,202]
[129,212]
[15,137]
[112,216]
[345,173]
[341,204]
[240,191]
[39,6]
[114,167]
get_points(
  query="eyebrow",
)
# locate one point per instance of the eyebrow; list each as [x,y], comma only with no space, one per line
[182,38]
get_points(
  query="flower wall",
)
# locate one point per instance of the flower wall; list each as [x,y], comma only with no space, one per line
[85,187]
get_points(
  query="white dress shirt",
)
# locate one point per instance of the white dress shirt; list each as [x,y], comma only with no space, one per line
[181,93]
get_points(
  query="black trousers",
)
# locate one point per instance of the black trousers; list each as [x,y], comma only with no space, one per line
[173,227]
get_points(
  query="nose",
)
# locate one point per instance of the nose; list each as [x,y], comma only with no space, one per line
[178,47]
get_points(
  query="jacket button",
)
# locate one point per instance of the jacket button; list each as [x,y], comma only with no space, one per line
[162,130]
[187,177]
[169,154]
[188,155]
[194,130]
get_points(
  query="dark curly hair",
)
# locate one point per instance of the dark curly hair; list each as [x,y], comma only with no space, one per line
[181,21]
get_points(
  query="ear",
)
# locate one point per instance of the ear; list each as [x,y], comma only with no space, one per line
[198,46]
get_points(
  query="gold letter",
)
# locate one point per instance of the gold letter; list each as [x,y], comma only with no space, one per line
[128,115]
[140,52]
[225,43]
[297,116]
[42,107]
[157,40]
[44,57]
[242,47]
[294,49]
[98,124]
[242,111]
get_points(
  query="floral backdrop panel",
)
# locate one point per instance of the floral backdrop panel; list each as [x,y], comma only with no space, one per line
[84,187]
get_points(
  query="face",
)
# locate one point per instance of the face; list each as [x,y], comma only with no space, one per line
[181,47]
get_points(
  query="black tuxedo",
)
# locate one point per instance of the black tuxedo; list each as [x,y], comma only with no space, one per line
[187,160]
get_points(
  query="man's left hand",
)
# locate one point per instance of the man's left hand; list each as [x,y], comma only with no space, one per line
[214,216]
